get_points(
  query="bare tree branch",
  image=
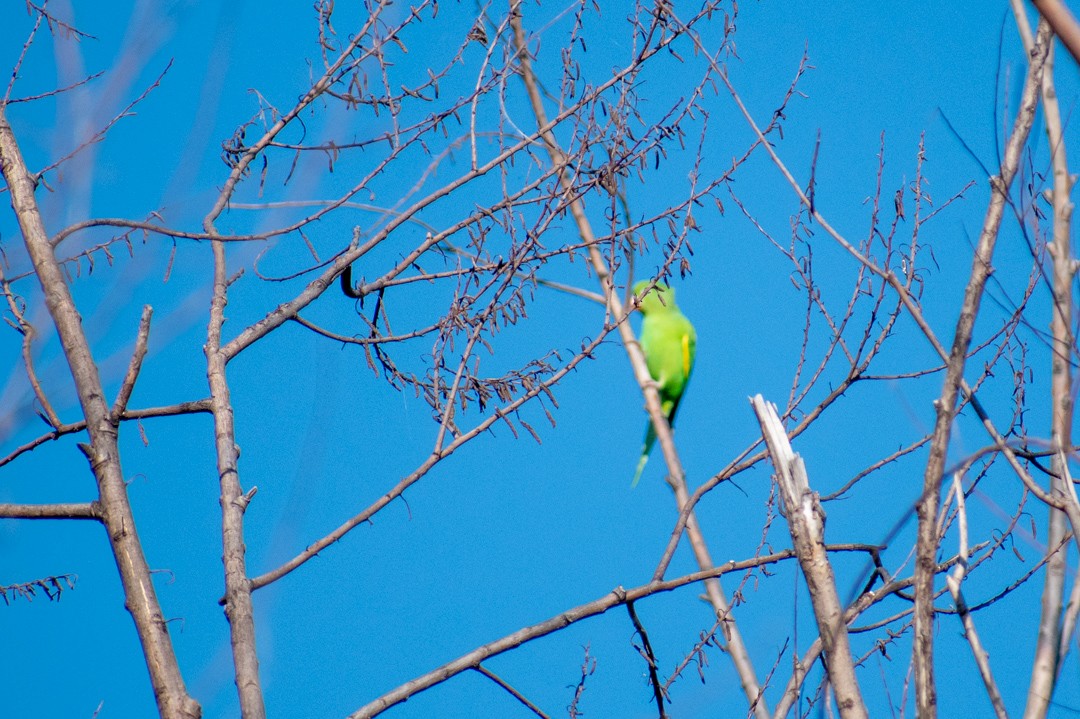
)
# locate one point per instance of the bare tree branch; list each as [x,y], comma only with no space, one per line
[511,691]
[1048,649]
[611,600]
[102,452]
[806,520]
[649,655]
[1063,24]
[50,511]
[197,406]
[137,357]
[954,580]
[927,543]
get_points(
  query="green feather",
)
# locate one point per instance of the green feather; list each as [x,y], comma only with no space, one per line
[669,343]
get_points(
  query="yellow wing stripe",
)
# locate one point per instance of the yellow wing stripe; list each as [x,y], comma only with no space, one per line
[686,355]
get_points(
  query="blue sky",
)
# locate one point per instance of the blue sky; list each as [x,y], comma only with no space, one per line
[507,532]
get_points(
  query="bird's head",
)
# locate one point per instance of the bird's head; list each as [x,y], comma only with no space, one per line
[659,299]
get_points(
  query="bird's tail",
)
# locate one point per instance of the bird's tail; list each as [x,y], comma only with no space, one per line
[650,440]
[668,407]
[640,469]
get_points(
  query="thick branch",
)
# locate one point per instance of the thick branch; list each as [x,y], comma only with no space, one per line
[102,452]
[1045,667]
[1063,23]
[806,521]
[81,510]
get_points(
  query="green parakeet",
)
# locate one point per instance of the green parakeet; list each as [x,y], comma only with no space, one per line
[669,343]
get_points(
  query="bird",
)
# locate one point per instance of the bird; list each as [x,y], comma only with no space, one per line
[669,343]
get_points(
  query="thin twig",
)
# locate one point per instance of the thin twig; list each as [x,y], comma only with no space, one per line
[510,690]
[954,580]
[18,311]
[649,655]
[194,407]
[57,91]
[100,134]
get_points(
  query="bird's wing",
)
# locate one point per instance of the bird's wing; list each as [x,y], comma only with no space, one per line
[670,345]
